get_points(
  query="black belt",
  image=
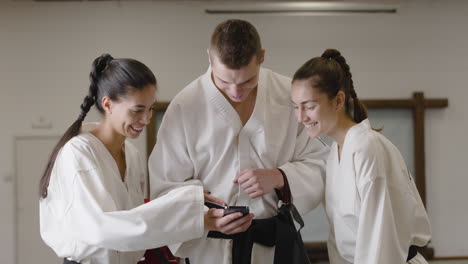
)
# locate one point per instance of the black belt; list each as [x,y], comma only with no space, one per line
[412,252]
[276,231]
[66,261]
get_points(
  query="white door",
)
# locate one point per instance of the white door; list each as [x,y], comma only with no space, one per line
[32,154]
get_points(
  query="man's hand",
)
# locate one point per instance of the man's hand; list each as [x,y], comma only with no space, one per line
[214,199]
[257,182]
[229,224]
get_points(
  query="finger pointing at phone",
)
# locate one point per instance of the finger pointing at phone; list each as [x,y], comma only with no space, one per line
[214,199]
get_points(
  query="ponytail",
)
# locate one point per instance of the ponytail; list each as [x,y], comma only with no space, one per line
[359,111]
[99,65]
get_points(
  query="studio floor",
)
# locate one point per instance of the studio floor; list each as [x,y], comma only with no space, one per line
[449,262]
[431,262]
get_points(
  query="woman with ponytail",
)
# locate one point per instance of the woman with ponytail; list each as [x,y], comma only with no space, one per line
[374,209]
[91,193]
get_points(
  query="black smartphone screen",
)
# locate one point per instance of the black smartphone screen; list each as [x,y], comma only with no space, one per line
[229,209]
[234,209]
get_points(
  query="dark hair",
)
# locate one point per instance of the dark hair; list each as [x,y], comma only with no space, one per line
[109,77]
[330,74]
[236,42]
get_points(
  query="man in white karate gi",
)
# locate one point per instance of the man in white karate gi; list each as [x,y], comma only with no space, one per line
[233,131]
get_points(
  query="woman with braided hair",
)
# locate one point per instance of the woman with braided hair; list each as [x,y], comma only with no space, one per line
[374,209]
[91,204]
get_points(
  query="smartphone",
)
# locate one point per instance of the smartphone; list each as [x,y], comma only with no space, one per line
[229,209]
[234,209]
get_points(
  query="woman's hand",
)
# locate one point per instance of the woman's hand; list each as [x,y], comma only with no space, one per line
[229,224]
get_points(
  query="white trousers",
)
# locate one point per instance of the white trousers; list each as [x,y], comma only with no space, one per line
[418,259]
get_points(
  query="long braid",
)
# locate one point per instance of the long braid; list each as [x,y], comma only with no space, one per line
[99,65]
[359,111]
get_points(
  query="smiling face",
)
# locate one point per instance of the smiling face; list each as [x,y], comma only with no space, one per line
[132,112]
[235,84]
[314,109]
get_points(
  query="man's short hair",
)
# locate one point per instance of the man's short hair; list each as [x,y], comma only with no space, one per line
[236,42]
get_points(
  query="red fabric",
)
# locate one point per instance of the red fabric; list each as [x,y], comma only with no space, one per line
[154,257]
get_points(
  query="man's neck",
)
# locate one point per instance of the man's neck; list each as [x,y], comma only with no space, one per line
[245,108]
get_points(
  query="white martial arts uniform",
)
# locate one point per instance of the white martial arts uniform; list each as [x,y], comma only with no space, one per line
[373,206]
[201,141]
[91,216]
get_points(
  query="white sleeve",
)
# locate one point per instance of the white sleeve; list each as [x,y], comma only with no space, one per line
[306,172]
[144,181]
[174,217]
[385,218]
[170,165]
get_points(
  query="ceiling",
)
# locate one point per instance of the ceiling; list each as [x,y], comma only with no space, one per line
[234,1]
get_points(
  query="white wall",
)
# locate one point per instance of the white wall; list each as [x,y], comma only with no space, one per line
[46,50]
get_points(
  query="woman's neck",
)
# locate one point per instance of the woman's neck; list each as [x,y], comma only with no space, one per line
[343,124]
[113,141]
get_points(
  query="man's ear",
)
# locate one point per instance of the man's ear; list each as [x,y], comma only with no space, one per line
[209,56]
[262,58]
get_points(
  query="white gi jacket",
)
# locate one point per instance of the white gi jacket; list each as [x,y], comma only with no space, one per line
[92,217]
[373,206]
[201,141]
